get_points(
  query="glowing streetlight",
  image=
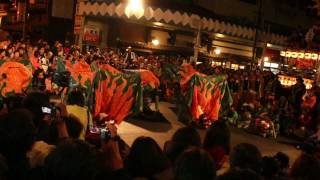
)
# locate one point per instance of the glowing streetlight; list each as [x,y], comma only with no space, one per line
[155,42]
[217,51]
[134,8]
[220,35]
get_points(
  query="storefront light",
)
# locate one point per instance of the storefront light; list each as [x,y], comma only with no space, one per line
[300,55]
[267,64]
[155,42]
[294,55]
[158,24]
[217,51]
[274,65]
[266,59]
[220,35]
[307,56]
[134,8]
[314,56]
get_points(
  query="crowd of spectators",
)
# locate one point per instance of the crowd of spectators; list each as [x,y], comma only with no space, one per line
[37,144]
[260,95]
[41,146]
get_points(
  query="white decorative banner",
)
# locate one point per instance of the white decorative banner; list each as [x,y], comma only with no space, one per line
[174,17]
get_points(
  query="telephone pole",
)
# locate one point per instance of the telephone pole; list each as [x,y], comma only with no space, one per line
[25,18]
[257,31]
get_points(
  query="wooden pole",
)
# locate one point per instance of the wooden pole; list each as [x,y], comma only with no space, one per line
[257,29]
[24,30]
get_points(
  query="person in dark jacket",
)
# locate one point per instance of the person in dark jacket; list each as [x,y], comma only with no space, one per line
[298,91]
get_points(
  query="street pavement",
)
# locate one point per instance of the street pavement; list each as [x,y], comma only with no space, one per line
[163,131]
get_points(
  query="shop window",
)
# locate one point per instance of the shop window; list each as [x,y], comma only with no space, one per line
[235,66]
[215,63]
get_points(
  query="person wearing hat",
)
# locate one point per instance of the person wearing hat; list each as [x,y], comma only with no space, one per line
[130,56]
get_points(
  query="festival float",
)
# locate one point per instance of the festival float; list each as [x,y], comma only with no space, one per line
[120,94]
[110,91]
[199,98]
[15,78]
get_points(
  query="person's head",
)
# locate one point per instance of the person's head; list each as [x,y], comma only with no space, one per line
[69,57]
[300,80]
[76,53]
[34,103]
[283,160]
[73,125]
[3,53]
[16,54]
[218,135]
[240,174]
[76,98]
[246,156]
[36,54]
[60,52]
[72,159]
[194,164]
[21,51]
[270,167]
[129,49]
[306,167]
[2,105]
[81,58]
[17,134]
[13,102]
[41,50]
[182,139]
[145,158]
[318,126]
[309,147]
[4,170]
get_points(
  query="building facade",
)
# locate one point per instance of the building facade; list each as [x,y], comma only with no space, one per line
[175,25]
[278,14]
[15,14]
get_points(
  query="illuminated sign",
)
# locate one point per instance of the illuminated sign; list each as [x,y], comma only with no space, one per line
[300,55]
[91,35]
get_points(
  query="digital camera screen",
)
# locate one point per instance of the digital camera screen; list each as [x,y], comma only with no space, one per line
[46,110]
